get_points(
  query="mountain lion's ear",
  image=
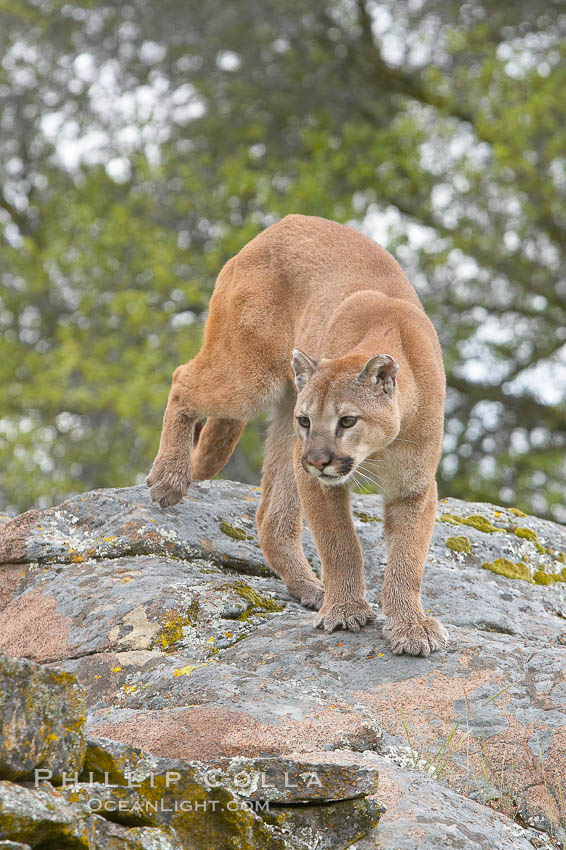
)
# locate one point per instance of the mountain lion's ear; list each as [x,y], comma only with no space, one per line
[382,367]
[304,367]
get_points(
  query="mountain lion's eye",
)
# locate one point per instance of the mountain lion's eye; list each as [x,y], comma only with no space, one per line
[304,421]
[348,421]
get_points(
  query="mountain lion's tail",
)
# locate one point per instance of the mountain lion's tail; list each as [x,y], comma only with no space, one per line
[213,444]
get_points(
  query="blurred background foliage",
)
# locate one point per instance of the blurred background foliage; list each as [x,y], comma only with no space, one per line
[143,143]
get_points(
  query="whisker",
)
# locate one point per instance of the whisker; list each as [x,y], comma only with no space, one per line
[386,450]
[359,484]
[364,474]
[379,460]
[288,437]
[400,438]
[369,472]
[367,490]
[372,481]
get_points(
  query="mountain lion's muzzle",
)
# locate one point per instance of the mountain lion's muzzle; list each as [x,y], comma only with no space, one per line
[325,465]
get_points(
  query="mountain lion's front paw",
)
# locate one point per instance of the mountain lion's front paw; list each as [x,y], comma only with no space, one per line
[420,637]
[168,481]
[347,615]
[311,593]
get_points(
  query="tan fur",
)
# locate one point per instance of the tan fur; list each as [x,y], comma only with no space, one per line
[340,308]
[214,445]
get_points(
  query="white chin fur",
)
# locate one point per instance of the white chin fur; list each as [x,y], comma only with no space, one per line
[335,480]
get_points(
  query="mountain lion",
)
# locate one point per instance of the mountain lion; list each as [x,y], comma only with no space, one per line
[319,324]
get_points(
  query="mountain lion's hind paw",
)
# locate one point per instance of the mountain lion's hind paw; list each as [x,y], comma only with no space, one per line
[346,615]
[415,638]
[167,483]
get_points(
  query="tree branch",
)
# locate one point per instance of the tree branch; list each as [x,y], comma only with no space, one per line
[408,83]
[531,412]
[18,218]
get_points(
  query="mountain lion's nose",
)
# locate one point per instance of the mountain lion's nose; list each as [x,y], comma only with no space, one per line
[320,460]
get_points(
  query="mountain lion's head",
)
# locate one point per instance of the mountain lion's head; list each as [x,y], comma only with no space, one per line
[347,408]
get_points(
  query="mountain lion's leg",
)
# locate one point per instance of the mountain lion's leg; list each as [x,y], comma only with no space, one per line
[327,510]
[279,516]
[408,529]
[213,445]
[239,367]
[211,385]
[170,474]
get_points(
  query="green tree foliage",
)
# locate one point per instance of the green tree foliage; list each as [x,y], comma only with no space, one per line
[143,143]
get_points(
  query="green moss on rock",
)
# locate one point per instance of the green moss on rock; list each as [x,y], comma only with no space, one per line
[542,577]
[42,715]
[346,821]
[460,543]
[364,517]
[258,603]
[228,825]
[481,523]
[526,534]
[235,533]
[504,567]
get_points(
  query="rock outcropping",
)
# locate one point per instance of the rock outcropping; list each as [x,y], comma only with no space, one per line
[206,685]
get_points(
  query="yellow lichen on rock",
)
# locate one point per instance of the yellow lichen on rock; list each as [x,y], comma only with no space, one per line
[481,523]
[257,602]
[235,533]
[526,534]
[509,569]
[461,543]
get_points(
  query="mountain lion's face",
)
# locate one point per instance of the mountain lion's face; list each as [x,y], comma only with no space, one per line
[346,409]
